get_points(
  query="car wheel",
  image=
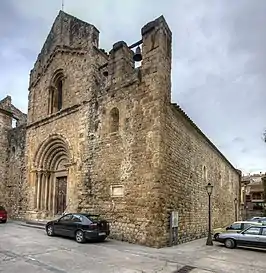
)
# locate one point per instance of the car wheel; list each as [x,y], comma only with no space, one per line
[80,238]
[216,236]
[101,239]
[50,230]
[230,243]
[3,221]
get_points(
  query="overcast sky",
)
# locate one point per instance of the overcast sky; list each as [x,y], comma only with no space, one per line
[219,59]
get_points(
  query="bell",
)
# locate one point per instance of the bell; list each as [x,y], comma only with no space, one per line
[105,73]
[137,56]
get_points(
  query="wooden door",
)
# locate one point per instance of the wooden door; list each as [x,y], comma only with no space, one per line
[61,192]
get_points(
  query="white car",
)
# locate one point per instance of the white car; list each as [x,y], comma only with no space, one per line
[254,236]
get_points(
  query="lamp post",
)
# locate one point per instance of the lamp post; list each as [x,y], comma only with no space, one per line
[209,188]
[245,202]
[235,201]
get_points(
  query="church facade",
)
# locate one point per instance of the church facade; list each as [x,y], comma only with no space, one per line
[102,136]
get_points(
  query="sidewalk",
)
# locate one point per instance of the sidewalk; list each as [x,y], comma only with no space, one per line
[191,257]
[197,257]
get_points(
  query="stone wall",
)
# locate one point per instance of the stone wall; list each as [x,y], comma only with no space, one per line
[12,164]
[69,123]
[68,32]
[20,117]
[68,37]
[74,57]
[67,128]
[190,162]
[123,165]
[16,197]
[5,126]
[125,160]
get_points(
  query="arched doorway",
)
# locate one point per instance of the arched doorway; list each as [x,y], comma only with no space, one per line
[52,161]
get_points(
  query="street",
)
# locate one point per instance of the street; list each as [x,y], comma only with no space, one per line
[25,249]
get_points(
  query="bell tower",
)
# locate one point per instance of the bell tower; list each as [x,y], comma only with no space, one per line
[157,55]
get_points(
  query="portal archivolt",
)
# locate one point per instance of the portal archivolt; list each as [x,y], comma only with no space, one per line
[51,161]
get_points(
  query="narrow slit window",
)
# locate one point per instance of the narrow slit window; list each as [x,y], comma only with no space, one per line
[114,120]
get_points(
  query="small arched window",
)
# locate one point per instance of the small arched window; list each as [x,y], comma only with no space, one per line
[204,173]
[56,92]
[114,120]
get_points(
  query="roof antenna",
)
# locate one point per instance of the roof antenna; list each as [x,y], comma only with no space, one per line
[63,5]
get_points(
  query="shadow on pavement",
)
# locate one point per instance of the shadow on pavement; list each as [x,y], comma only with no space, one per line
[73,240]
[261,250]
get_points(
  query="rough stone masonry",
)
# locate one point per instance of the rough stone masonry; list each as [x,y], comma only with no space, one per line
[12,158]
[102,136]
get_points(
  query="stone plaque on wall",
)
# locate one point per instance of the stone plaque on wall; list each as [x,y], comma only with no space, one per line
[174,220]
[117,190]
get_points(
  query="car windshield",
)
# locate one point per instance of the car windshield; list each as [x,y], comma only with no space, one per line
[252,230]
[2,208]
[235,226]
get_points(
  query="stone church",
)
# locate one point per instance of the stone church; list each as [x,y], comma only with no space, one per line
[101,135]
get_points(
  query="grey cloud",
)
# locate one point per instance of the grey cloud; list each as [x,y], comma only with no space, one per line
[245,150]
[238,140]
[219,59]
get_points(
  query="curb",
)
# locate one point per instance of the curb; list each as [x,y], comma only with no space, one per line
[32,226]
[36,223]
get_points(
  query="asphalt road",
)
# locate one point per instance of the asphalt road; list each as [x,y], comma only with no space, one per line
[24,249]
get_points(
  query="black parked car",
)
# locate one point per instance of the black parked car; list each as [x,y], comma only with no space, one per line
[81,226]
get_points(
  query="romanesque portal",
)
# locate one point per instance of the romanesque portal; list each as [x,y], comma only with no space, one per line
[51,163]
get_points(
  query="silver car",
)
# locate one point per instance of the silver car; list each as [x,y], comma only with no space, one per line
[254,236]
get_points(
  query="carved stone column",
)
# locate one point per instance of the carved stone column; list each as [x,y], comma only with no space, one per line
[43,191]
[38,197]
[51,203]
[35,193]
[50,194]
[46,185]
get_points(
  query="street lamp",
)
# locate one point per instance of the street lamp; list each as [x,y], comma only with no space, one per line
[235,201]
[209,189]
